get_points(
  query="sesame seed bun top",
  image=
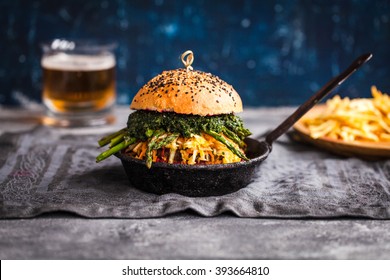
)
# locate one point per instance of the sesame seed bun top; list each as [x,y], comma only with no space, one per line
[188,92]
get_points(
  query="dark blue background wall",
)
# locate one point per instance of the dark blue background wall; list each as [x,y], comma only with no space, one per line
[272,52]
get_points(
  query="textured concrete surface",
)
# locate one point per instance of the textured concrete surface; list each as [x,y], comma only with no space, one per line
[187,236]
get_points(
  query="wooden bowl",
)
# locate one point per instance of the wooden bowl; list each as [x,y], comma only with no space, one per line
[361,149]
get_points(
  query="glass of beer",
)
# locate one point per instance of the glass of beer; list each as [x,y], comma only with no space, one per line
[78,82]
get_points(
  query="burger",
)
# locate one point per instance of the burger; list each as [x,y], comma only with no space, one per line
[182,116]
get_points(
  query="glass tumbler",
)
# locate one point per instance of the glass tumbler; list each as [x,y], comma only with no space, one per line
[78,82]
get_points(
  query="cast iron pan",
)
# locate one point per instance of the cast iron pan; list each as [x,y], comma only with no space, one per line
[220,179]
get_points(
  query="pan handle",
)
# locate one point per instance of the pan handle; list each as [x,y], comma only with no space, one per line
[325,90]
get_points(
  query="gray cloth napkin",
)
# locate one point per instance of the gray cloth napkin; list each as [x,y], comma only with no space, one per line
[43,170]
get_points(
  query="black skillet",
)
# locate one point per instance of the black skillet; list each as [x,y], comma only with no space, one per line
[220,179]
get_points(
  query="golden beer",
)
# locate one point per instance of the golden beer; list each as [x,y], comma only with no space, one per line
[78,83]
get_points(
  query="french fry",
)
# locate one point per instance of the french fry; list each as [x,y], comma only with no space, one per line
[360,119]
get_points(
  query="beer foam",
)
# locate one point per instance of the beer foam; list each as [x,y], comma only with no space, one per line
[75,62]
